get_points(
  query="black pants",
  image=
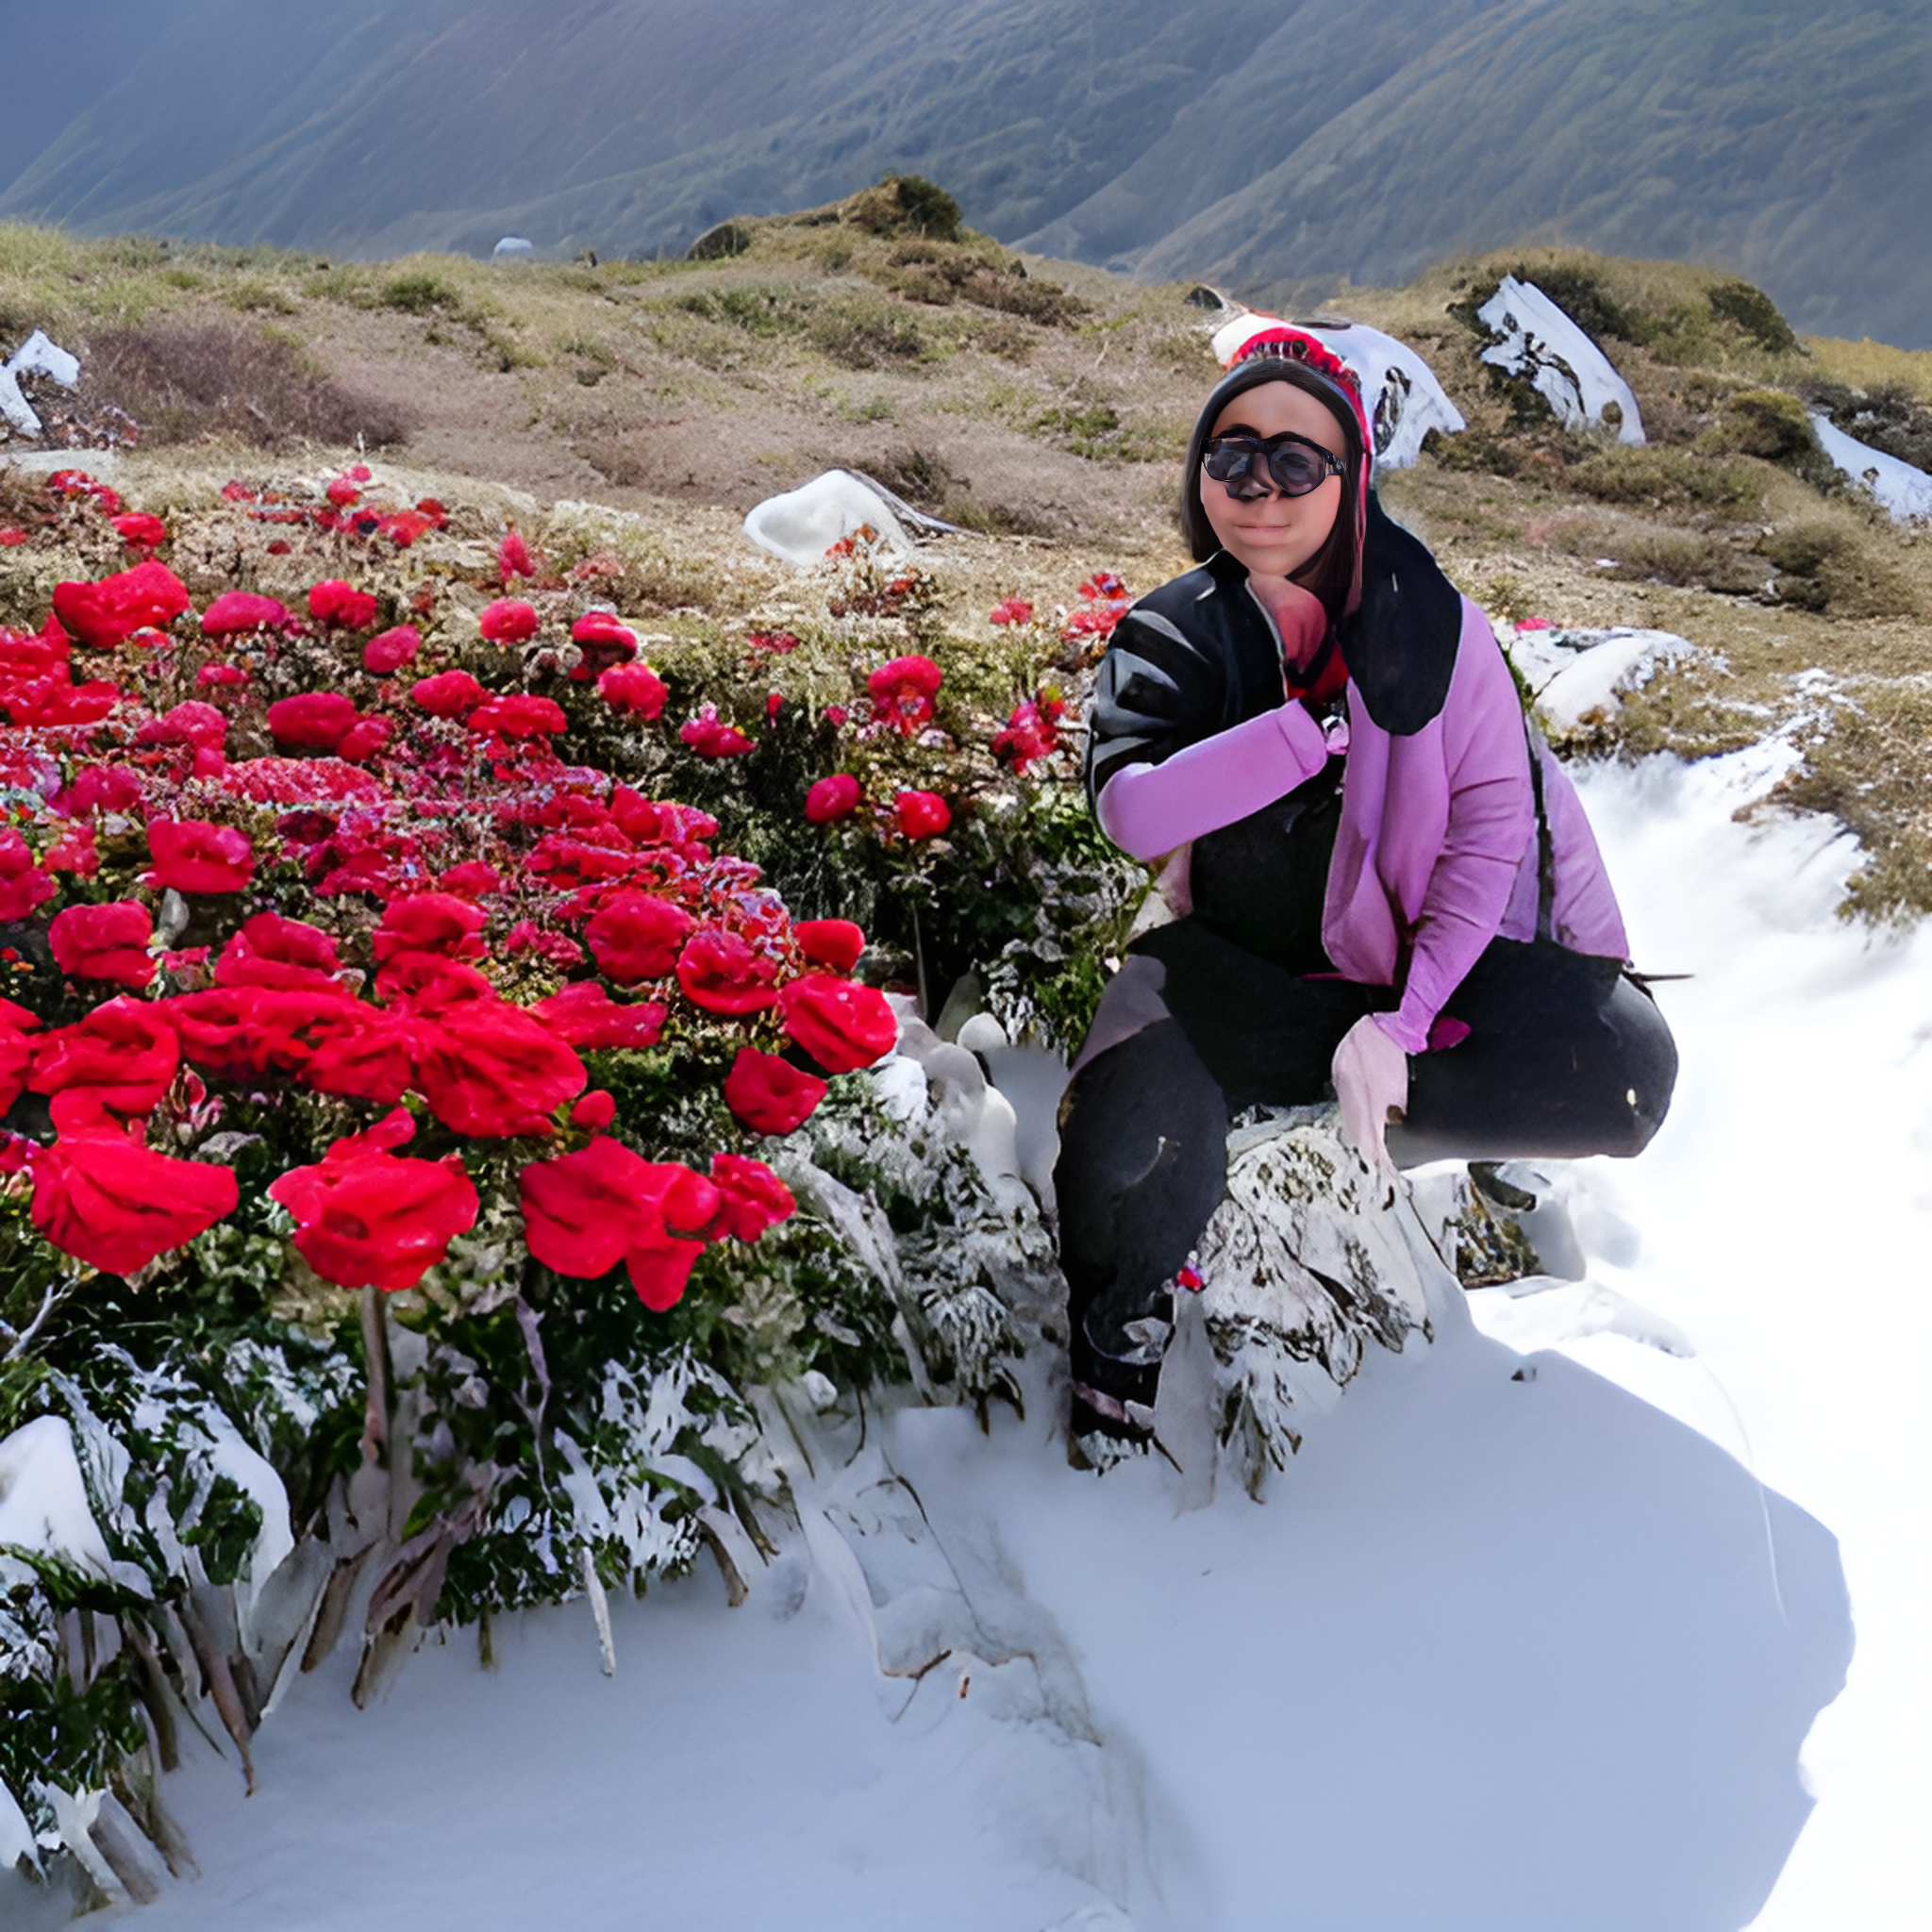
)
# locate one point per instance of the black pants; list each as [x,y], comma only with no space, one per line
[1566,1055]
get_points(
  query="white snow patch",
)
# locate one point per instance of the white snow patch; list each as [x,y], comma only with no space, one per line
[1563,365]
[802,524]
[1573,673]
[44,1501]
[37,356]
[1904,491]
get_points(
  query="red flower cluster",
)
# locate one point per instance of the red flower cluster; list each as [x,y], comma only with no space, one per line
[1032,732]
[443,855]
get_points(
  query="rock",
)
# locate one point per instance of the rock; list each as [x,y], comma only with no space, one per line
[1539,343]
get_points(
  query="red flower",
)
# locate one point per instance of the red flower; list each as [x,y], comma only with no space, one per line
[251,1032]
[584,1014]
[508,621]
[364,739]
[777,641]
[22,885]
[11,536]
[489,1070]
[220,676]
[191,722]
[104,942]
[832,798]
[106,1200]
[902,690]
[360,1053]
[635,688]
[636,936]
[603,642]
[585,1211]
[834,942]
[74,851]
[140,531]
[102,614]
[333,602]
[769,1095]
[16,1052]
[285,953]
[711,738]
[430,922]
[518,715]
[369,1217]
[122,1056]
[842,1025]
[922,814]
[448,694]
[581,1211]
[315,721]
[388,653]
[1012,611]
[1031,733]
[343,493]
[752,1198]
[513,558]
[473,879]
[594,1112]
[237,612]
[720,973]
[774,702]
[192,856]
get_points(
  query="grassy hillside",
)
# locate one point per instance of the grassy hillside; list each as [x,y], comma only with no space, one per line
[1264,145]
[1044,406]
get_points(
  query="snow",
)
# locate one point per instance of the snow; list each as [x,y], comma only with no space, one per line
[1904,491]
[802,524]
[1531,1633]
[37,356]
[1572,674]
[1564,367]
[43,1502]
[1403,399]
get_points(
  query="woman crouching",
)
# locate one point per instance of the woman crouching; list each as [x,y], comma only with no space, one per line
[1383,880]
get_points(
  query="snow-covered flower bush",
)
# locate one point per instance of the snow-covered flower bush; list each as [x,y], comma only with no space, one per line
[431,1091]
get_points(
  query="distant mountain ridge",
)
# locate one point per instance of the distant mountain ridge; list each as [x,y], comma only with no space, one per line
[1277,147]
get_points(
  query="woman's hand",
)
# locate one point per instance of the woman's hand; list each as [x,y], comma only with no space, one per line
[1371,1075]
[1298,614]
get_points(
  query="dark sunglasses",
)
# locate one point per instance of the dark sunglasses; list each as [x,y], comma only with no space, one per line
[1249,464]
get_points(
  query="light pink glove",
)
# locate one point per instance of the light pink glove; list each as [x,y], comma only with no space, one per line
[1371,1075]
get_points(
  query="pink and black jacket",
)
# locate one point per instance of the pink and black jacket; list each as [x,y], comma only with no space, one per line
[1439,849]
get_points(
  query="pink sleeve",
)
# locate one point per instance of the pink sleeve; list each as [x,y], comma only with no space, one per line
[1492,820]
[1148,811]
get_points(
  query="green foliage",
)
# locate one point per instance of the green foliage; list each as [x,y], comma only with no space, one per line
[1755,315]
[1775,425]
[419,293]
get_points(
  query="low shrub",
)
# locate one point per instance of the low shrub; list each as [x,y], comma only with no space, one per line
[183,380]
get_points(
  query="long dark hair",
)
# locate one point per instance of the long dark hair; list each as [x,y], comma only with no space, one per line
[1330,573]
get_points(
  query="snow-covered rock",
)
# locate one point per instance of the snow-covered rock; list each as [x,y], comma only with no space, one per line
[1904,491]
[1537,342]
[801,524]
[37,356]
[1403,399]
[1573,673]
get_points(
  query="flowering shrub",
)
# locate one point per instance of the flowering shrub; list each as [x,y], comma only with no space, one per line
[458,1017]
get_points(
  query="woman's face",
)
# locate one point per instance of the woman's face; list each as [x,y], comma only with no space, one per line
[1275,535]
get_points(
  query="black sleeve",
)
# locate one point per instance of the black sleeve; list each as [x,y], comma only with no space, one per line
[1157,693]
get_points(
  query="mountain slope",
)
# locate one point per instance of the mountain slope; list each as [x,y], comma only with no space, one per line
[1279,144]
